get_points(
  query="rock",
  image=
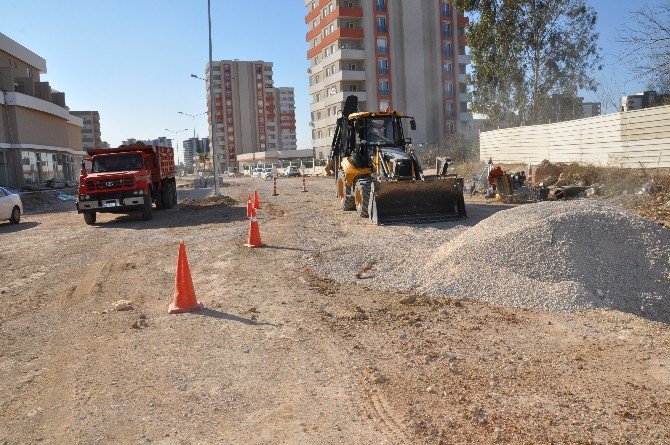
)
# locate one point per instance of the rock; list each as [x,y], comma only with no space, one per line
[431,390]
[123,305]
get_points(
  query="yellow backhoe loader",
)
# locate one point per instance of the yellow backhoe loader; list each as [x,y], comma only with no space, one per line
[378,175]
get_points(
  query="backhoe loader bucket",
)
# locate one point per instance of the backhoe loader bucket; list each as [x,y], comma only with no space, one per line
[417,202]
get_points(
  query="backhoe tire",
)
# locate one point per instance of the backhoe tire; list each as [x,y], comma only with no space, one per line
[348,201]
[89,218]
[362,197]
[146,208]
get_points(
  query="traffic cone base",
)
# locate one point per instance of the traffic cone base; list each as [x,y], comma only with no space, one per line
[182,310]
[184,293]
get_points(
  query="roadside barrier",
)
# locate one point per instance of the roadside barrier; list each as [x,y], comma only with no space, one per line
[184,294]
[257,201]
[274,181]
[304,184]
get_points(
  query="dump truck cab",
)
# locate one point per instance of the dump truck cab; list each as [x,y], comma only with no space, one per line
[378,175]
[126,179]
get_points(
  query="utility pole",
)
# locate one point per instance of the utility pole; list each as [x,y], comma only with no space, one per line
[215,152]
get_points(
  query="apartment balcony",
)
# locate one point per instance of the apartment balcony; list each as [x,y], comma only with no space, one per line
[337,98]
[340,76]
[340,33]
[463,97]
[462,78]
[340,54]
[464,59]
[465,117]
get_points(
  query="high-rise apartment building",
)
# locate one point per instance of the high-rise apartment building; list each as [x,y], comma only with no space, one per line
[192,149]
[90,132]
[251,115]
[405,55]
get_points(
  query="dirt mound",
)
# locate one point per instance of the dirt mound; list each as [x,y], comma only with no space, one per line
[33,201]
[212,201]
[558,256]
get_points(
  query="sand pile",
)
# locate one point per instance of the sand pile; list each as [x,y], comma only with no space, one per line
[557,256]
[196,204]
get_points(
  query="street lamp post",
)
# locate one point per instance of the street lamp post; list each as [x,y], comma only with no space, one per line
[193,116]
[212,119]
[176,132]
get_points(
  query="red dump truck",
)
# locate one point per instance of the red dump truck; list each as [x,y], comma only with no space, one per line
[126,179]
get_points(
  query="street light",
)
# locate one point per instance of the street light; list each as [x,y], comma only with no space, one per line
[192,116]
[176,132]
[215,161]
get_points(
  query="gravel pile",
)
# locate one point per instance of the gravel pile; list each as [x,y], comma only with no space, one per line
[554,256]
[557,256]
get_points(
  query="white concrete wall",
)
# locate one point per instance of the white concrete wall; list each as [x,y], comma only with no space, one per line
[630,139]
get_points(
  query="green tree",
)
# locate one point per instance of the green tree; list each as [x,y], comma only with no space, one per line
[528,53]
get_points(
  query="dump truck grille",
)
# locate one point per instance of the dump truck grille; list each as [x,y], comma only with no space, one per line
[105,184]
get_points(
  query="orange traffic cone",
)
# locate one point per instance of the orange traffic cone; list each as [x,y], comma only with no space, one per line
[257,202]
[250,206]
[184,293]
[254,233]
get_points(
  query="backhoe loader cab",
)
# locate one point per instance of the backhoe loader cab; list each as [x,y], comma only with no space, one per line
[378,175]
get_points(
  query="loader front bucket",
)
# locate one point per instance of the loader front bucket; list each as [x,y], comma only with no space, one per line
[417,202]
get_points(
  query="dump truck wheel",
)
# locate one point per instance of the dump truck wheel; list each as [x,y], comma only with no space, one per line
[173,193]
[362,196]
[89,218]
[146,209]
[161,198]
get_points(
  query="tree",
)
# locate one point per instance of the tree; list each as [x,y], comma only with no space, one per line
[648,45]
[204,158]
[528,55]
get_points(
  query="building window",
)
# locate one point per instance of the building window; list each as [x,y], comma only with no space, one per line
[449,89]
[353,88]
[384,89]
[381,5]
[451,127]
[447,49]
[381,24]
[382,47]
[449,109]
[446,30]
[446,9]
[448,69]
[383,105]
[383,66]
[462,68]
[29,72]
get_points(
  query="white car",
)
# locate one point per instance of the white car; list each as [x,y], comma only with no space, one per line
[11,207]
[292,170]
[267,173]
[256,173]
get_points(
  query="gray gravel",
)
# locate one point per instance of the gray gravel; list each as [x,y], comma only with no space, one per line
[554,256]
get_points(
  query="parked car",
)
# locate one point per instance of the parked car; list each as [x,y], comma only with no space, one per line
[11,207]
[268,173]
[292,170]
[256,172]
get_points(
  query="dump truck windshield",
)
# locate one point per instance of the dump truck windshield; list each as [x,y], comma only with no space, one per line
[380,131]
[117,163]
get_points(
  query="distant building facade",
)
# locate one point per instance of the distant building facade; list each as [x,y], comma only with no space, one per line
[161,141]
[40,140]
[250,115]
[645,99]
[193,147]
[590,109]
[90,132]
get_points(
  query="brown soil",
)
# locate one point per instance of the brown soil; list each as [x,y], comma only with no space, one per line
[282,355]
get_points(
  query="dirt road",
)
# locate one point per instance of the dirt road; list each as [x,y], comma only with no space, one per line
[284,355]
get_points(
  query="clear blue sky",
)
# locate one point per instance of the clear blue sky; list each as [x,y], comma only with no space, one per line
[132,59]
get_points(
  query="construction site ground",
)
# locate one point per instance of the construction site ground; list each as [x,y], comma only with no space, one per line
[283,355]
